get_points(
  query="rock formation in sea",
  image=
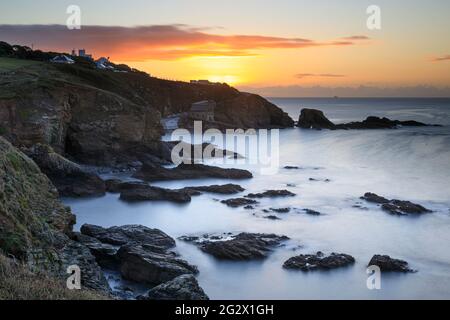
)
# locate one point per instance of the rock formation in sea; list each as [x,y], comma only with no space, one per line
[315,119]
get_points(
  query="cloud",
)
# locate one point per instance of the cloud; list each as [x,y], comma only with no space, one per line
[355,38]
[442,58]
[160,42]
[320,75]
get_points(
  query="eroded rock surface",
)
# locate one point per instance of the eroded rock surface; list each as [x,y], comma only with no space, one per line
[394,206]
[319,261]
[271,194]
[239,202]
[386,263]
[184,287]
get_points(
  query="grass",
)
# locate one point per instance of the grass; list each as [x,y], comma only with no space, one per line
[17,282]
[11,64]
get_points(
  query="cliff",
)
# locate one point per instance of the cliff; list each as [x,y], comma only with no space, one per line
[103,117]
[35,228]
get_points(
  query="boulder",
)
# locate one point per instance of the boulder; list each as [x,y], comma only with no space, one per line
[396,207]
[386,263]
[311,212]
[281,210]
[130,234]
[144,265]
[68,177]
[239,202]
[272,217]
[318,261]
[314,119]
[189,171]
[105,254]
[271,194]
[244,246]
[184,287]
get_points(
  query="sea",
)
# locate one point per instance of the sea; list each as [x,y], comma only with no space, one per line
[335,168]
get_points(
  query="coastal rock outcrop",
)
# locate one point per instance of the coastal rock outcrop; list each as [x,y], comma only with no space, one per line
[386,263]
[315,119]
[184,287]
[35,227]
[135,192]
[271,194]
[244,246]
[189,171]
[219,189]
[142,254]
[394,206]
[68,177]
[319,261]
[239,202]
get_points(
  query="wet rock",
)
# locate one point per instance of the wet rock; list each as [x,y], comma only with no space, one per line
[318,261]
[291,168]
[184,287]
[271,194]
[387,263]
[189,171]
[67,176]
[249,207]
[314,119]
[311,212]
[238,202]
[271,217]
[142,264]
[219,189]
[113,185]
[399,207]
[130,234]
[396,207]
[245,246]
[374,198]
[141,192]
[281,210]
[105,254]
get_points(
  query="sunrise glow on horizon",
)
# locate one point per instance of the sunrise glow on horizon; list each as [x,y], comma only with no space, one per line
[297,44]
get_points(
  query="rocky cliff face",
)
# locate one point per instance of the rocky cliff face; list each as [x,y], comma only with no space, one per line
[108,118]
[35,226]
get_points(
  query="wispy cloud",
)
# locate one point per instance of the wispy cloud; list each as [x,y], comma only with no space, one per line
[442,58]
[320,75]
[358,37]
[161,42]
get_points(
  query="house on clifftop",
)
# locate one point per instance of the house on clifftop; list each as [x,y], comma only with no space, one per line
[203,110]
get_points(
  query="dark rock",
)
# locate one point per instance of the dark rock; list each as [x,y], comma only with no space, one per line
[318,261]
[68,177]
[396,207]
[189,171]
[184,287]
[272,217]
[312,212]
[399,207]
[281,210]
[139,192]
[245,246]
[113,185]
[130,234]
[291,168]
[249,207]
[238,202]
[314,119]
[104,253]
[142,264]
[387,263]
[220,189]
[379,123]
[271,194]
[374,198]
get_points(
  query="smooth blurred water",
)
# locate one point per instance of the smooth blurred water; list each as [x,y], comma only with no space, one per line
[407,163]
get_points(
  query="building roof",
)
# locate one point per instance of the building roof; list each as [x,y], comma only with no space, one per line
[62,59]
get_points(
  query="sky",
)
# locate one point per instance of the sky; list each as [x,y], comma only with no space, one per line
[281,46]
